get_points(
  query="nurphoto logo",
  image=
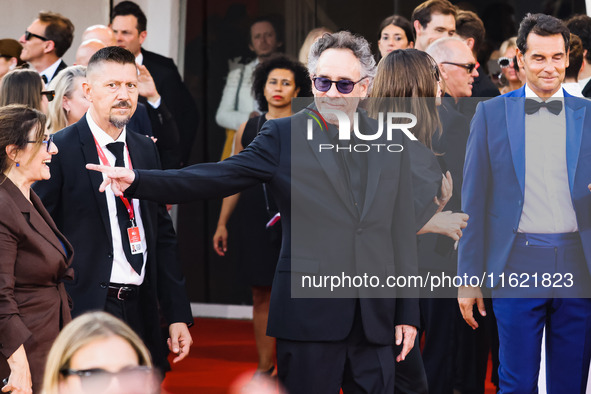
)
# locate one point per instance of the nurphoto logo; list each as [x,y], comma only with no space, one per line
[391,123]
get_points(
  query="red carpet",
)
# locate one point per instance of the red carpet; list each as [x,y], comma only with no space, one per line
[223,350]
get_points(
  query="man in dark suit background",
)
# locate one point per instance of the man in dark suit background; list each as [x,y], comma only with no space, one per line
[129,24]
[326,343]
[580,25]
[525,189]
[470,29]
[45,41]
[134,277]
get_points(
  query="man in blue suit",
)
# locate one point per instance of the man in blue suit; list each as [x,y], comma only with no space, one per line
[525,188]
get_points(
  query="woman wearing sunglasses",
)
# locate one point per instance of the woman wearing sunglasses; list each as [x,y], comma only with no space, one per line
[508,52]
[25,87]
[275,83]
[99,354]
[34,255]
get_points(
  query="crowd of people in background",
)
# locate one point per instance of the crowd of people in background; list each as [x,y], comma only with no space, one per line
[479,188]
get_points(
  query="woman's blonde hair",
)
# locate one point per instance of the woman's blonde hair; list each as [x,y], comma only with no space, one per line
[507,44]
[63,84]
[406,81]
[83,330]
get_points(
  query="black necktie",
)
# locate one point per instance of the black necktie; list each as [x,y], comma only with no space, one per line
[136,260]
[533,106]
[44,78]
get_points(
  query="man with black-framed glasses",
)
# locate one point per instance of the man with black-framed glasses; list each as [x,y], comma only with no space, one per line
[45,41]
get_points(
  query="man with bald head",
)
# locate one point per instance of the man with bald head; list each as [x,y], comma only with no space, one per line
[100,32]
[86,50]
[457,65]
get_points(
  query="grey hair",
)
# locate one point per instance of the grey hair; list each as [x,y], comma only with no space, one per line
[439,50]
[63,84]
[344,40]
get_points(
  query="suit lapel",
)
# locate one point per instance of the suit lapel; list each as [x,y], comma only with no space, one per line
[574,134]
[139,160]
[91,156]
[32,216]
[329,163]
[55,237]
[373,169]
[515,121]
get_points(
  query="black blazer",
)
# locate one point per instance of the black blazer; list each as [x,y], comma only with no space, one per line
[379,239]
[176,97]
[59,68]
[80,211]
[436,251]
[587,90]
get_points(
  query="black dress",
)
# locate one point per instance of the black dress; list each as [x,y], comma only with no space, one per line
[257,247]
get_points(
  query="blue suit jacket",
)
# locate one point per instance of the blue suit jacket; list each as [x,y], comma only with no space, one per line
[494,179]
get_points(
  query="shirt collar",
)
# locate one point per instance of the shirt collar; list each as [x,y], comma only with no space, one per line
[139,59]
[100,135]
[530,93]
[50,71]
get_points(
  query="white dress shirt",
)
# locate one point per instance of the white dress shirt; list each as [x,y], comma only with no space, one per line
[50,71]
[122,272]
[547,205]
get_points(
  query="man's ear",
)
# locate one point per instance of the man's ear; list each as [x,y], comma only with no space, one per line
[143,36]
[49,46]
[417,26]
[443,72]
[520,61]
[470,42]
[87,90]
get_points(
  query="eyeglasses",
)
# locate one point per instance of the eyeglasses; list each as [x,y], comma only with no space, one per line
[505,62]
[50,94]
[133,380]
[344,86]
[48,139]
[468,66]
[28,36]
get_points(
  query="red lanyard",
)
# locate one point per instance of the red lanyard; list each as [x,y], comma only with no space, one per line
[105,162]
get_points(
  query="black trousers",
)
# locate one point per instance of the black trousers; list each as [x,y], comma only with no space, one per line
[353,364]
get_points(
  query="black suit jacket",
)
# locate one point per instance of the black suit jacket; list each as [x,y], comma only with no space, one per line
[587,90]
[59,68]
[177,98]
[80,211]
[311,190]
[436,252]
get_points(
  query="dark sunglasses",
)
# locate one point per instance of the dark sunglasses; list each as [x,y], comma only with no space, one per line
[28,36]
[344,86]
[436,73]
[468,66]
[505,62]
[46,140]
[50,94]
